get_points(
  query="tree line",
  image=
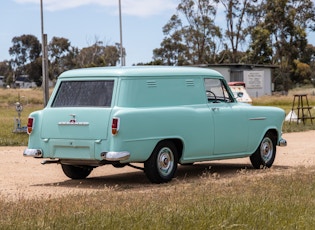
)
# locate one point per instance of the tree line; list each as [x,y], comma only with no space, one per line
[263,32]
[26,51]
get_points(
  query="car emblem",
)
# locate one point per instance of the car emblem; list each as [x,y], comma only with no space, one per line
[73,121]
[73,118]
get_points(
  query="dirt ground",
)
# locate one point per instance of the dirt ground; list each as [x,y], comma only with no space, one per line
[23,177]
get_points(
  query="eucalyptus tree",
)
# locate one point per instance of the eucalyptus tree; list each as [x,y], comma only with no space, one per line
[173,48]
[278,31]
[6,71]
[284,24]
[25,52]
[25,49]
[98,55]
[59,49]
[236,28]
[191,36]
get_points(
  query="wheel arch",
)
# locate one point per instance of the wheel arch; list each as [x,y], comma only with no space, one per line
[265,153]
[274,134]
[178,144]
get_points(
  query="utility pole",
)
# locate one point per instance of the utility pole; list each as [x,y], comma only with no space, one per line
[44,58]
[122,58]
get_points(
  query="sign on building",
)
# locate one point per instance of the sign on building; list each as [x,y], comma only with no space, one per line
[254,79]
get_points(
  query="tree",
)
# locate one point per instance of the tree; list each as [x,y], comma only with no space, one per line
[58,50]
[279,34]
[301,72]
[260,48]
[6,71]
[34,70]
[98,55]
[172,51]
[25,49]
[190,35]
[236,31]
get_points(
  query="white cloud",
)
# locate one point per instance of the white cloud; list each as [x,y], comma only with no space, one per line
[140,8]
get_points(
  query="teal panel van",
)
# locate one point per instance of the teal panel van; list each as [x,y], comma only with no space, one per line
[156,115]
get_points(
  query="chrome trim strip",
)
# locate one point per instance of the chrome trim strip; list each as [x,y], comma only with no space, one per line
[257,118]
[73,123]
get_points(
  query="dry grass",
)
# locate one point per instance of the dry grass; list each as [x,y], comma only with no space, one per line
[250,201]
[26,96]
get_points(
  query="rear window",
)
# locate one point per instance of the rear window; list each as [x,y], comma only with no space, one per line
[84,94]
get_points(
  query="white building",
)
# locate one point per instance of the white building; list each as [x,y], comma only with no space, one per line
[23,81]
[257,78]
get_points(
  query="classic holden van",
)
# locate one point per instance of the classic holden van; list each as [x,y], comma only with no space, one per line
[158,116]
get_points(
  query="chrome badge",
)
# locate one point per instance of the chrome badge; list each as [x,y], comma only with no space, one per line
[72,121]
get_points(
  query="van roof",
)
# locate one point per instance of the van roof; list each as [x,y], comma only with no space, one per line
[151,71]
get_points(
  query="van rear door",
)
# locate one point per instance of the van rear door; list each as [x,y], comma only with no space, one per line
[80,110]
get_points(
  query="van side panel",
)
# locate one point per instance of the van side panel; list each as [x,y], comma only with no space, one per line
[160,92]
[154,109]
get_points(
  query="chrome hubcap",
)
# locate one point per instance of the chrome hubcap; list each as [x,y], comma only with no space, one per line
[266,149]
[165,161]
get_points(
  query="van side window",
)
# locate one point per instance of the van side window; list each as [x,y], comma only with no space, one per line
[84,94]
[216,91]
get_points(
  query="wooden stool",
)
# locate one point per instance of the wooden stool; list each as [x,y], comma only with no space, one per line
[303,108]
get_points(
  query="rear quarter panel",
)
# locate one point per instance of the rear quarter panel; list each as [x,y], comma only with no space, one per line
[141,129]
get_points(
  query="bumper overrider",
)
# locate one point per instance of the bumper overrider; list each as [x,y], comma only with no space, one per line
[38,153]
[282,142]
[115,156]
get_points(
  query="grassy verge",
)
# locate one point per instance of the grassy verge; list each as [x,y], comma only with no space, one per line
[8,116]
[285,102]
[270,201]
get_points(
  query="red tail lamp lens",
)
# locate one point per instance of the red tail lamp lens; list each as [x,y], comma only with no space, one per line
[115,125]
[30,123]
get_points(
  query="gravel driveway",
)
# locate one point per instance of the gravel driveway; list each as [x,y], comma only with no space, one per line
[23,177]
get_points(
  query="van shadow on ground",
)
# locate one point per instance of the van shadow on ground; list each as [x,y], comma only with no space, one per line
[138,179]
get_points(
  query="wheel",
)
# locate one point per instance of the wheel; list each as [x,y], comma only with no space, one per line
[76,172]
[162,164]
[265,154]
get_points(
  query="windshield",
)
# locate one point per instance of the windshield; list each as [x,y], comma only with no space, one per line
[216,91]
[84,94]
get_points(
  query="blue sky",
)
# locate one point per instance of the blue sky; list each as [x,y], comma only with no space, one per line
[85,21]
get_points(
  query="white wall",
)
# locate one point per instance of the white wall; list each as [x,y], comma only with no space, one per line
[254,91]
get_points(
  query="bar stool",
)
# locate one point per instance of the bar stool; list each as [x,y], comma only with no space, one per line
[303,108]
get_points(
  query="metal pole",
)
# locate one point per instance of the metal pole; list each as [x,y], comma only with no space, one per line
[46,89]
[44,57]
[122,59]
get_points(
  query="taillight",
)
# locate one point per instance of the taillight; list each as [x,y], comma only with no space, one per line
[30,123]
[115,125]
